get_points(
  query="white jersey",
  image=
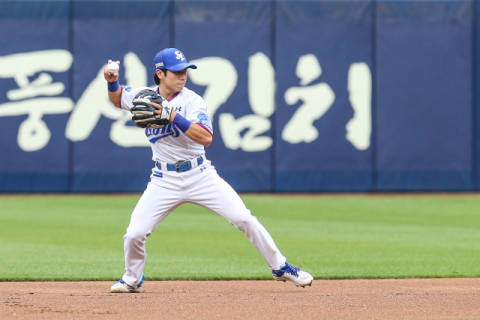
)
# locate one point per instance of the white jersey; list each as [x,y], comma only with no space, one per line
[170,144]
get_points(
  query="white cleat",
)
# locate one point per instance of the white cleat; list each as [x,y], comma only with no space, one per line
[296,275]
[121,287]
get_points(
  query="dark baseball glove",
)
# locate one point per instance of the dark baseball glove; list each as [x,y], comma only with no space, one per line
[144,113]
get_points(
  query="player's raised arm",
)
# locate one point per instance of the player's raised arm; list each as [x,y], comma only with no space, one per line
[111,75]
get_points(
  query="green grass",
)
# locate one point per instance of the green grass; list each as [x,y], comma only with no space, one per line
[79,237]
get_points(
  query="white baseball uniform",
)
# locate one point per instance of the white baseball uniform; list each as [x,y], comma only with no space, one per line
[201,185]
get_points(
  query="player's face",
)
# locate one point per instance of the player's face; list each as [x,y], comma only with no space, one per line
[174,80]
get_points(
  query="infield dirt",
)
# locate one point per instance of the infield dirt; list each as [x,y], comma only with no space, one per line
[325,299]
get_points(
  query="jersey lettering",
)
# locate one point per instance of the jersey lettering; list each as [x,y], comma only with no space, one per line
[156,134]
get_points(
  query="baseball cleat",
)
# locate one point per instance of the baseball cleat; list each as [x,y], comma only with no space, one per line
[121,287]
[296,275]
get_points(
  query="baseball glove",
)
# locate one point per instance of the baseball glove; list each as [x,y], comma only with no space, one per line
[144,113]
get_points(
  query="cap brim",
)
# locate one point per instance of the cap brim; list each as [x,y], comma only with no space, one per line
[182,66]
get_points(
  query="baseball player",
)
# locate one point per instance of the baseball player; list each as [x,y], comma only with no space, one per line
[183,174]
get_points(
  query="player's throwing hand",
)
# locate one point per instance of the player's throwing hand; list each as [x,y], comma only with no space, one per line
[110,72]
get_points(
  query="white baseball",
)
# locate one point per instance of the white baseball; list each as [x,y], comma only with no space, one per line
[113,66]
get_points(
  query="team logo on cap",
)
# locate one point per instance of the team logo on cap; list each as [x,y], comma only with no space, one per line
[158,65]
[179,55]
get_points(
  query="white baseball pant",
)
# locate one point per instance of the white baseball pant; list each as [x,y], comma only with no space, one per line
[200,185]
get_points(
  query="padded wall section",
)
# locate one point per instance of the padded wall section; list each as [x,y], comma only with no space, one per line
[109,153]
[424,78]
[324,97]
[35,74]
[230,42]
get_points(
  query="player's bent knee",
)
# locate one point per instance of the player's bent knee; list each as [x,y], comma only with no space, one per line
[245,222]
[135,236]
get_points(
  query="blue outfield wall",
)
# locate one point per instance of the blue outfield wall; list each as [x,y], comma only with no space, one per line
[305,96]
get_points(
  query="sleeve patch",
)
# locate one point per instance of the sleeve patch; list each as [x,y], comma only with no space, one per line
[204,119]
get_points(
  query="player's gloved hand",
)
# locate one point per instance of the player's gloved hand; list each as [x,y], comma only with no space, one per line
[145,106]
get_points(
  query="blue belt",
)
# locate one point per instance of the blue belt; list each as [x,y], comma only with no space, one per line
[180,166]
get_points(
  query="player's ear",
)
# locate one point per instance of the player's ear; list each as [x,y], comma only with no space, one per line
[156,79]
[161,73]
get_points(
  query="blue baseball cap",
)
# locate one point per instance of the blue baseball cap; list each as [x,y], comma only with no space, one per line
[172,59]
